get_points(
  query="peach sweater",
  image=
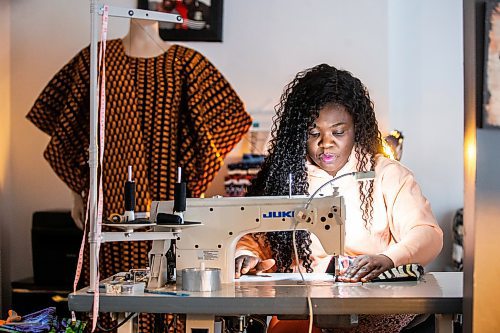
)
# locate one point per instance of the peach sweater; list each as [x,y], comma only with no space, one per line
[403,226]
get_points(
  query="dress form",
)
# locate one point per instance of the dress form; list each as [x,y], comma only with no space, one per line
[143,40]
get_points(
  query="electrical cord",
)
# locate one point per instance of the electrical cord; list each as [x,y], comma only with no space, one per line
[159,323]
[260,321]
[130,316]
[360,176]
[309,301]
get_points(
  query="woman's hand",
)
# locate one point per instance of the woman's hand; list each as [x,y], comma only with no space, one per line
[249,264]
[365,268]
[77,211]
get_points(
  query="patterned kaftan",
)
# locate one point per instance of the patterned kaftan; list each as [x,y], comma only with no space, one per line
[161,113]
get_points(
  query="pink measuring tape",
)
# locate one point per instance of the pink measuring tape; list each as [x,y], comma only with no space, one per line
[102,126]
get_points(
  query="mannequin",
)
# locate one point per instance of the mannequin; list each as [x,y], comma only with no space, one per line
[142,41]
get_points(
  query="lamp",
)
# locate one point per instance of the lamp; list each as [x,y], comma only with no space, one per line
[393,145]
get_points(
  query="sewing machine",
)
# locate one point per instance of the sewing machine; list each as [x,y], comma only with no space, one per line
[209,229]
[209,234]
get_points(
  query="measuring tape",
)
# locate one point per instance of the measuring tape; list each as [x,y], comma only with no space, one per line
[102,126]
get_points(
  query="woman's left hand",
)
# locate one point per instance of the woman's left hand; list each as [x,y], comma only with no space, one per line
[365,268]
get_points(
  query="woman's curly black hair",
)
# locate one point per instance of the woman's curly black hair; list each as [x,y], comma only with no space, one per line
[299,107]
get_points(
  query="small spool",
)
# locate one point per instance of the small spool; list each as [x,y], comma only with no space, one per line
[179,193]
[129,196]
[180,197]
[129,191]
[117,218]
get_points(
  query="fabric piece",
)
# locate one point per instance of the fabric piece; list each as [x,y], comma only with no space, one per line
[174,110]
[457,253]
[44,320]
[408,272]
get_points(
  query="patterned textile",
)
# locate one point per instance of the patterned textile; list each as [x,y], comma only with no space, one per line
[458,240]
[174,110]
[241,174]
[43,321]
[408,272]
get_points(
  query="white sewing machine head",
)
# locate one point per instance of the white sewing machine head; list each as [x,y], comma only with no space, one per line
[223,221]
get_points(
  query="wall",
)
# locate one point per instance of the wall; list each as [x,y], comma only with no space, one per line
[4,138]
[426,101]
[292,36]
[258,59]
[487,228]
[472,88]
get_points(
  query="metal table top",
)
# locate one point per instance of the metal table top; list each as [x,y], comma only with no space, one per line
[439,292]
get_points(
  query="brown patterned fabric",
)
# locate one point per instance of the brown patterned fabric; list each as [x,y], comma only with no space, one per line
[161,113]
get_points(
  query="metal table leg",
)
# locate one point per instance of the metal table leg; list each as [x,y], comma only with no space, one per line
[200,323]
[444,323]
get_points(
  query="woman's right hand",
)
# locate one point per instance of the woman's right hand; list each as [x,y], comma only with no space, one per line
[249,264]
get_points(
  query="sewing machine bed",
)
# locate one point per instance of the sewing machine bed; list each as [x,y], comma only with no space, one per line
[439,293]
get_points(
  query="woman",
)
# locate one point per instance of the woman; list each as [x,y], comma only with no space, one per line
[325,126]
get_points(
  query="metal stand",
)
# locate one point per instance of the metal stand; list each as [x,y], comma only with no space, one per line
[158,261]
[444,323]
[200,323]
[96,10]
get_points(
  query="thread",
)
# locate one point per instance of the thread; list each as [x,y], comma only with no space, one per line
[180,197]
[179,193]
[129,192]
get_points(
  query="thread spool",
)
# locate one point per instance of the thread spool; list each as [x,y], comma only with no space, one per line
[129,196]
[179,193]
[180,197]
